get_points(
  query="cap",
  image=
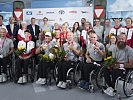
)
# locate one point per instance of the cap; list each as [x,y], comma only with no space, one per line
[48,34]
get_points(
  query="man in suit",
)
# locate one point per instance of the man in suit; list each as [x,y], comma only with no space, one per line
[12,30]
[18,22]
[34,29]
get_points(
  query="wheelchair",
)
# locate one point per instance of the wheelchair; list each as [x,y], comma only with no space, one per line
[123,84]
[72,77]
[31,70]
[9,68]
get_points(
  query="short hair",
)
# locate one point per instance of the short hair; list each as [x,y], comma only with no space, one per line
[130,19]
[45,18]
[1,17]
[32,18]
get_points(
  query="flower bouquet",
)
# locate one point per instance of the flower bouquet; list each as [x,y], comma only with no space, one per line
[59,53]
[109,61]
[44,57]
[20,50]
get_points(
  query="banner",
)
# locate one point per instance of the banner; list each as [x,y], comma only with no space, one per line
[6,16]
[59,15]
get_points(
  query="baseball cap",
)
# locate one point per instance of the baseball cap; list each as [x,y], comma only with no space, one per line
[48,34]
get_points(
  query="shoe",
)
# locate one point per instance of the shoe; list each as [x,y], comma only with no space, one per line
[38,81]
[86,86]
[4,77]
[43,81]
[59,84]
[63,85]
[1,78]
[110,91]
[81,84]
[20,80]
[24,79]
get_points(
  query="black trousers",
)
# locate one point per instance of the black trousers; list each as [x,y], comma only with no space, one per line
[112,75]
[22,66]
[63,67]
[3,63]
[86,70]
[42,68]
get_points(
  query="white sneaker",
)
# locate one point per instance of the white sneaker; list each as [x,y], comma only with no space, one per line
[59,84]
[20,80]
[64,85]
[1,78]
[4,77]
[110,91]
[38,81]
[43,81]
[24,79]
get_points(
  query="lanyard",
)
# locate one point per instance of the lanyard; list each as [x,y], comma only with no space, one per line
[3,43]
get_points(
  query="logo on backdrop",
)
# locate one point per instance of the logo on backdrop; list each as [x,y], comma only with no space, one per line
[39,13]
[50,12]
[28,12]
[61,12]
[84,12]
[73,11]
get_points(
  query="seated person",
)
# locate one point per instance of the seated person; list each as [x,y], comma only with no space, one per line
[124,56]
[23,59]
[43,65]
[6,49]
[72,50]
[95,53]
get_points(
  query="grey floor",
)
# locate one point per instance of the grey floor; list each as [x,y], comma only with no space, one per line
[31,91]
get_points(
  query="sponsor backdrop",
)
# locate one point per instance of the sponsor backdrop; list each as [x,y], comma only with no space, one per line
[59,15]
[119,9]
[6,16]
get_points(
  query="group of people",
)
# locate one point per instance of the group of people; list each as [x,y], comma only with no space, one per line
[82,41]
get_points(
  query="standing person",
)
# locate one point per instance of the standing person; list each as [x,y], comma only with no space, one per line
[98,28]
[73,51]
[12,29]
[1,22]
[128,30]
[124,56]
[21,35]
[76,32]
[82,26]
[34,29]
[112,43]
[6,49]
[63,35]
[117,29]
[41,39]
[46,27]
[95,53]
[18,22]
[107,30]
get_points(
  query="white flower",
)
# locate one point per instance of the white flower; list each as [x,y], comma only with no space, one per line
[51,56]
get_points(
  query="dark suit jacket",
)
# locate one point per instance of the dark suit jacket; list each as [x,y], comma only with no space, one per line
[15,30]
[37,31]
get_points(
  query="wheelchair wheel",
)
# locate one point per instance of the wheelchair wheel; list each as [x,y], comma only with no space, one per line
[55,73]
[100,82]
[70,78]
[77,74]
[128,85]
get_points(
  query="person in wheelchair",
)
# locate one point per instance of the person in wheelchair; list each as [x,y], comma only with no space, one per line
[72,50]
[23,57]
[124,57]
[6,50]
[44,49]
[95,53]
